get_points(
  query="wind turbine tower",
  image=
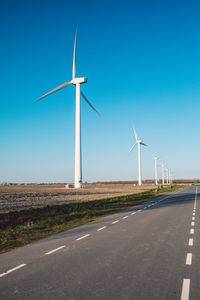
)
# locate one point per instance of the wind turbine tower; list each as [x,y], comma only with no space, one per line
[163,173]
[139,143]
[167,175]
[156,169]
[170,177]
[77,83]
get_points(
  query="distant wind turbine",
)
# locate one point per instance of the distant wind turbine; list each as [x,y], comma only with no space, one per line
[77,82]
[167,175]
[155,168]
[138,142]
[163,173]
[171,178]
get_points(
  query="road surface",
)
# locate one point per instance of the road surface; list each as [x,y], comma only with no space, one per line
[147,252]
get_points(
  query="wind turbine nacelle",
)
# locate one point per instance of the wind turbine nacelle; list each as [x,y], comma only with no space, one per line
[79,80]
[139,141]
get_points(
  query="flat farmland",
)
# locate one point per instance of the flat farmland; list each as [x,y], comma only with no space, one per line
[16,197]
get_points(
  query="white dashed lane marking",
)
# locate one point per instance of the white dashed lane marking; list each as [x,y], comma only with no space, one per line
[125,217]
[82,237]
[185,289]
[115,222]
[101,228]
[192,231]
[12,270]
[186,281]
[188,259]
[54,250]
[191,241]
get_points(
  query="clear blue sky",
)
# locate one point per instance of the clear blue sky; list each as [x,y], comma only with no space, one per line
[142,60]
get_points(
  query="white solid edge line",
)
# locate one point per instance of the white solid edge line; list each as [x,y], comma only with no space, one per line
[133,213]
[192,231]
[54,250]
[192,223]
[125,217]
[185,289]
[82,237]
[115,222]
[101,228]
[188,259]
[12,270]
[190,243]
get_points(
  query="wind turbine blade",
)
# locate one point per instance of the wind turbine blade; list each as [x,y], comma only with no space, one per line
[74,59]
[88,102]
[132,147]
[135,132]
[144,144]
[60,87]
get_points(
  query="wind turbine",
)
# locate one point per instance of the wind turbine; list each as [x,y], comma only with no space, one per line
[139,143]
[77,83]
[163,173]
[167,175]
[156,168]
[170,177]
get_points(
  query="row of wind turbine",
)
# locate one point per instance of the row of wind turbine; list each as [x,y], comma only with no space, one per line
[140,142]
[77,81]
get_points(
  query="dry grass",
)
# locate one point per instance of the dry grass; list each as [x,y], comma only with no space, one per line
[15,197]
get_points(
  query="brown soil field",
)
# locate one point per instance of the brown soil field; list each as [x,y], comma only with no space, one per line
[15,197]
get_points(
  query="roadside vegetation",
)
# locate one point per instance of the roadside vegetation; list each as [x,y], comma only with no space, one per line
[18,228]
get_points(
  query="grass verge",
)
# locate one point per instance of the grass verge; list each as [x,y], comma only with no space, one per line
[19,228]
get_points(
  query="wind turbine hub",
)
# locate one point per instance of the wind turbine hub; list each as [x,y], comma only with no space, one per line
[79,80]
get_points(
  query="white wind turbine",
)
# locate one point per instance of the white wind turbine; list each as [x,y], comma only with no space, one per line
[163,173]
[170,177]
[156,168]
[138,142]
[167,175]
[77,82]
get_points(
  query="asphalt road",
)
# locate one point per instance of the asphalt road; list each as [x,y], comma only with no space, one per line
[147,252]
